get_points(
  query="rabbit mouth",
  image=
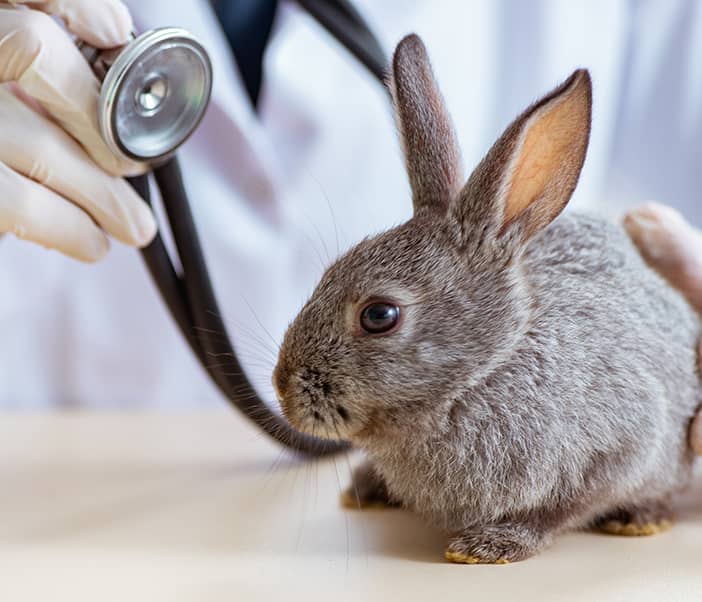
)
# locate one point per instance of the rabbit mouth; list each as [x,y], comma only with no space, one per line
[327,423]
[329,420]
[312,408]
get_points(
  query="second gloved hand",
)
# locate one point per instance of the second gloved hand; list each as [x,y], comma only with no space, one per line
[59,184]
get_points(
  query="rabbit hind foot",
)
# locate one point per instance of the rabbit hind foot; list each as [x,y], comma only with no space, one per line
[647,519]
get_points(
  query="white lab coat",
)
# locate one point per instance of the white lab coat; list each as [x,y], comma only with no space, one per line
[277,198]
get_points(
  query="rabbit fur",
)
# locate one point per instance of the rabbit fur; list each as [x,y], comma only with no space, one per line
[541,376]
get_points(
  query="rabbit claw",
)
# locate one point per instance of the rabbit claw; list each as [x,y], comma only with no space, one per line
[633,529]
[367,490]
[648,519]
[496,544]
[350,500]
[459,558]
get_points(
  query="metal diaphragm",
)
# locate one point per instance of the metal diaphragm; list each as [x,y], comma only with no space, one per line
[154,94]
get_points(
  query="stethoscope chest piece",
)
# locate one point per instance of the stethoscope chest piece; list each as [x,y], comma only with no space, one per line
[154,94]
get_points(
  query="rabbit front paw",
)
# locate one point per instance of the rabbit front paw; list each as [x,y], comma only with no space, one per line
[496,544]
[367,490]
[645,519]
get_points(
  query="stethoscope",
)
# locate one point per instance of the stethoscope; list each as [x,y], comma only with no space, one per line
[154,94]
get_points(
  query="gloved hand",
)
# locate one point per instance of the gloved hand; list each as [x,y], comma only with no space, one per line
[60,185]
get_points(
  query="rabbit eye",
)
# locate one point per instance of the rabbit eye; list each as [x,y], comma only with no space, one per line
[377,318]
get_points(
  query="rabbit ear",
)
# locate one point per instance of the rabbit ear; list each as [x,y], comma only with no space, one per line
[529,175]
[428,139]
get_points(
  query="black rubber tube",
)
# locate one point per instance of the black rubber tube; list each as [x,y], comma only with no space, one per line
[190,297]
[347,26]
[168,282]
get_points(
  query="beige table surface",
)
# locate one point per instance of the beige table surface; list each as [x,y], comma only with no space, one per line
[200,507]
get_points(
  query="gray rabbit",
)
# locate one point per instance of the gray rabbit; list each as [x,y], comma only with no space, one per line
[508,376]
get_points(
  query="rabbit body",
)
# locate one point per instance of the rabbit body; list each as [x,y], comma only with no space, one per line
[588,414]
[510,373]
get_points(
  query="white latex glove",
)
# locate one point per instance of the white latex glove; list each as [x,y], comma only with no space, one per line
[60,186]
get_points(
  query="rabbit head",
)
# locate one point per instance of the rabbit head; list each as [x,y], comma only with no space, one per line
[407,317]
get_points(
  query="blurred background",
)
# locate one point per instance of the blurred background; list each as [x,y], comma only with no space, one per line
[281,186]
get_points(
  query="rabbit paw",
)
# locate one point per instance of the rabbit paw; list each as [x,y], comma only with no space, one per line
[367,490]
[495,544]
[648,519]
[351,501]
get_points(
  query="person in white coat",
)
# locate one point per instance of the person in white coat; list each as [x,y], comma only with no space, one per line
[279,189]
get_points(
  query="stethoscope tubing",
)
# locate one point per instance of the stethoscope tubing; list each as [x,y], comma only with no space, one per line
[189,294]
[191,301]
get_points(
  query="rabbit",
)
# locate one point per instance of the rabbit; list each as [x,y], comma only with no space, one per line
[509,372]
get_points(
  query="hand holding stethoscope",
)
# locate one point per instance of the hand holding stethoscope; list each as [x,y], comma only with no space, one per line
[65,140]
[60,183]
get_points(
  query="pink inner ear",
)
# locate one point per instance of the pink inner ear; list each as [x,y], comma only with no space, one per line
[548,160]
